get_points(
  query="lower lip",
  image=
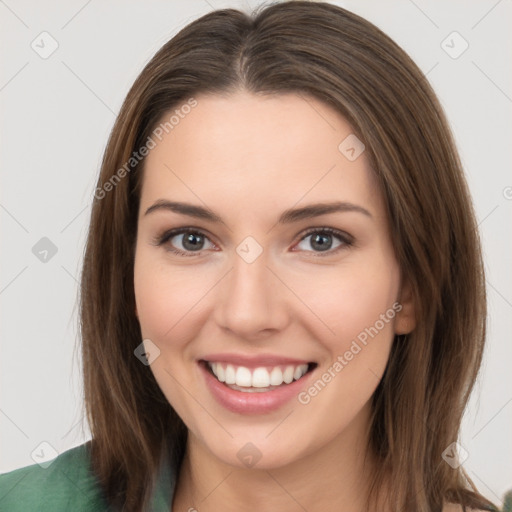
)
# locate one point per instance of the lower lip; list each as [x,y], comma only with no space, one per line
[256,402]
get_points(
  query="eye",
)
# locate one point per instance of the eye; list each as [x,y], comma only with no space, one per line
[184,242]
[321,240]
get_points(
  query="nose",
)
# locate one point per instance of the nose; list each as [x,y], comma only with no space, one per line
[252,302]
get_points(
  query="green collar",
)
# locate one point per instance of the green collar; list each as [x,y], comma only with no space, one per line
[163,491]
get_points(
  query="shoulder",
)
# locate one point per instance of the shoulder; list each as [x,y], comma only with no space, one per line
[67,483]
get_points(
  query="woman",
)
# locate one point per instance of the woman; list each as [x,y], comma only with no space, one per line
[283,303]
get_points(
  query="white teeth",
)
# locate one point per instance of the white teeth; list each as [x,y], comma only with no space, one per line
[243,377]
[230,375]
[259,377]
[220,373]
[276,377]
[288,374]
[297,374]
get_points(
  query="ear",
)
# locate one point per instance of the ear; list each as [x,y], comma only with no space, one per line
[405,320]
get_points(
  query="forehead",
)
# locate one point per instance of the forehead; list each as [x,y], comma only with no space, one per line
[253,149]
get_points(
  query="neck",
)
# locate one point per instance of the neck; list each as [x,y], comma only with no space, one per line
[332,478]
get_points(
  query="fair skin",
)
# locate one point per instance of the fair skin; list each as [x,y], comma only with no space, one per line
[248,158]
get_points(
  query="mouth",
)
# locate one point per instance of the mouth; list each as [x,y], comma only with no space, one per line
[246,386]
[260,379]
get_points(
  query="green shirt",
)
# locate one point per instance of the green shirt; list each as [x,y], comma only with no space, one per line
[68,484]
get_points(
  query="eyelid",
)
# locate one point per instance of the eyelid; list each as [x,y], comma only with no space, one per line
[343,235]
[166,234]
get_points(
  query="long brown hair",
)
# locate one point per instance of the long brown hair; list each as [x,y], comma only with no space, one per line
[331,54]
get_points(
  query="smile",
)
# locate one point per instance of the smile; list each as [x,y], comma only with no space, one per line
[259,379]
[248,385]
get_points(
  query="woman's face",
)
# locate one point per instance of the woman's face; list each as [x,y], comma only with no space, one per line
[268,287]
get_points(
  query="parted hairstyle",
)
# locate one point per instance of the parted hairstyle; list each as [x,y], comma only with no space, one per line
[328,53]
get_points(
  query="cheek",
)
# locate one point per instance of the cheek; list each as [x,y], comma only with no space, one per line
[360,310]
[168,301]
[165,303]
[353,302]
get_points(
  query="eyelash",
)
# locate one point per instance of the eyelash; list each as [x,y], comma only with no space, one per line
[347,240]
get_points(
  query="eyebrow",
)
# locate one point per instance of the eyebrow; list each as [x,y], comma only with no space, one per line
[287,217]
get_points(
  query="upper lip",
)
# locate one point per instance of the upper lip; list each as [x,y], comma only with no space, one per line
[253,361]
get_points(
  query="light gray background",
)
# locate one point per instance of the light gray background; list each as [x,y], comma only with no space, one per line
[56,115]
